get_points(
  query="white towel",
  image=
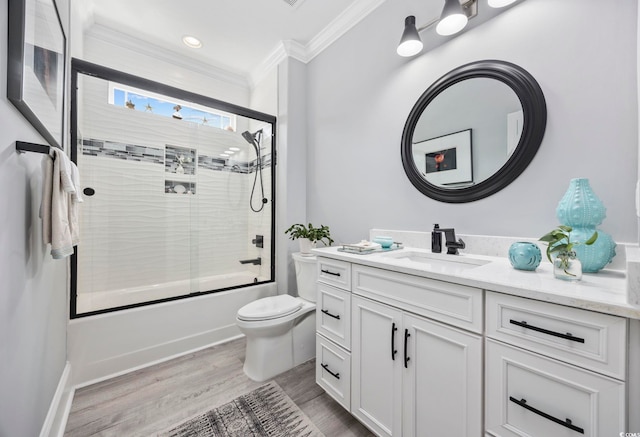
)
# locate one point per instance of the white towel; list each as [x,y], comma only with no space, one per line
[73,206]
[58,212]
[66,177]
[75,179]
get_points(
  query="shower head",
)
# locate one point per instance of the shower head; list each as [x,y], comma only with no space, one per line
[253,138]
[249,137]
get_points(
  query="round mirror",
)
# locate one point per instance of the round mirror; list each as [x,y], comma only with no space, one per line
[473,131]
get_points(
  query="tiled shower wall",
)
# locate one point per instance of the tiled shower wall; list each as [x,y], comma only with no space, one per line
[135,233]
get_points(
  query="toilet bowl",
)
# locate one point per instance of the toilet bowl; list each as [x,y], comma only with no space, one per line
[280,330]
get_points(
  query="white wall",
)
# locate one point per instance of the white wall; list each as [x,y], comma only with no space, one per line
[111,49]
[291,186]
[33,298]
[264,95]
[582,53]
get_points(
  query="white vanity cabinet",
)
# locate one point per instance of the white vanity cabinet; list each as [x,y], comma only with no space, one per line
[413,356]
[553,370]
[412,375]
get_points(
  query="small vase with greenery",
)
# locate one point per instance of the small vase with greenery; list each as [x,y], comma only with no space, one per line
[309,236]
[566,265]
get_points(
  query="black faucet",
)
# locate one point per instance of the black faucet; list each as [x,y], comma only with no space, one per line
[256,261]
[450,240]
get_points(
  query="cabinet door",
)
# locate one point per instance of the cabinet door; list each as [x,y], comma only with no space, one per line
[442,380]
[530,394]
[376,372]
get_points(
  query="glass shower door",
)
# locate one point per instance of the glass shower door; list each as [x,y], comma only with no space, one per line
[178,194]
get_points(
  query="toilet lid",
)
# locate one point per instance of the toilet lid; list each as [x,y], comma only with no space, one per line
[270,308]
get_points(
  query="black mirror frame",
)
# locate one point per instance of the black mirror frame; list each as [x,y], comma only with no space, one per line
[535,120]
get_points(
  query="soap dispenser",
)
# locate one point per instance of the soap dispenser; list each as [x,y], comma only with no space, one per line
[436,239]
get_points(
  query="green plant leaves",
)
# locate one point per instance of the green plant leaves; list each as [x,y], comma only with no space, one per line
[559,240]
[299,230]
[592,240]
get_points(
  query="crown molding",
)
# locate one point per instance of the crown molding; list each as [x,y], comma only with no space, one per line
[351,16]
[284,50]
[108,35]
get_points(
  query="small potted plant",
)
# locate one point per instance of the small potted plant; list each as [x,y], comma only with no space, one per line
[560,252]
[309,236]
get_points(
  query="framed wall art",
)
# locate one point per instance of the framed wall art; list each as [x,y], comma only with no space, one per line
[36,66]
[446,159]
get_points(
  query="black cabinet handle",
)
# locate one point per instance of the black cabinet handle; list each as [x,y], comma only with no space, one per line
[406,356]
[566,423]
[566,336]
[393,341]
[329,273]
[326,367]
[331,315]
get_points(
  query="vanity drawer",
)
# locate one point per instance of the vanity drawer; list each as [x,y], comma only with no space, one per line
[587,339]
[333,315]
[454,304]
[334,272]
[333,371]
[531,395]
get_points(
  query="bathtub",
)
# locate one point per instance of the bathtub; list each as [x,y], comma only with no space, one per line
[100,300]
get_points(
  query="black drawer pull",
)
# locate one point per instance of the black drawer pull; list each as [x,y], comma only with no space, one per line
[329,273]
[331,315]
[393,341]
[326,367]
[406,354]
[566,423]
[566,336]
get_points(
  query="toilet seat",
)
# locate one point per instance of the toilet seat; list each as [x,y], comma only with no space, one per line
[270,308]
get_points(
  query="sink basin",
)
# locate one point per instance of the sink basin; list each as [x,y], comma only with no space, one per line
[437,262]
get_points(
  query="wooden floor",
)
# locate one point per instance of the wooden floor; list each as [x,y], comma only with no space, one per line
[150,400]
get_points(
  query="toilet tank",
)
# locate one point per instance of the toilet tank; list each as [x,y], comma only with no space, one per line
[306,275]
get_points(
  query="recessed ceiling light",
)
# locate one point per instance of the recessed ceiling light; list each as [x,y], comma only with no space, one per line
[224,155]
[191,41]
[235,149]
[229,152]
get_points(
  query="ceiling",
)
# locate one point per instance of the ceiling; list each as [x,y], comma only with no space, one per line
[237,35]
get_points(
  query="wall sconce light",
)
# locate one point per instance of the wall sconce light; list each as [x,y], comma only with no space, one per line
[453,19]
[410,43]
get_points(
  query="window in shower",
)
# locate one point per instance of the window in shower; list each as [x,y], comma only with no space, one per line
[154,103]
[173,206]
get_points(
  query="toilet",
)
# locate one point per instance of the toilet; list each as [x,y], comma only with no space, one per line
[280,330]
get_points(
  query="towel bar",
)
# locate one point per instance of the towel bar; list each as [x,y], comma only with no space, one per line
[22,147]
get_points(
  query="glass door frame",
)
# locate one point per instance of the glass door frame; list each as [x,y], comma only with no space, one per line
[78,67]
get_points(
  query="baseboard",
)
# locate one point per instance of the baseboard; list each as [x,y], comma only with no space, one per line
[165,352]
[56,420]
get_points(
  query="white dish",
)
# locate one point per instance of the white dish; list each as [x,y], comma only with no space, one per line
[180,189]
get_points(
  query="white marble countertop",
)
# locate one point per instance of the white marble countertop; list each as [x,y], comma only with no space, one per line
[605,291]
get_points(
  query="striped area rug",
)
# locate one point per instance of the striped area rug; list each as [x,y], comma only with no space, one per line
[266,411]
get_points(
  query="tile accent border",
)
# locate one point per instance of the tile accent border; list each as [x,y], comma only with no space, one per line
[168,157]
[129,152]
